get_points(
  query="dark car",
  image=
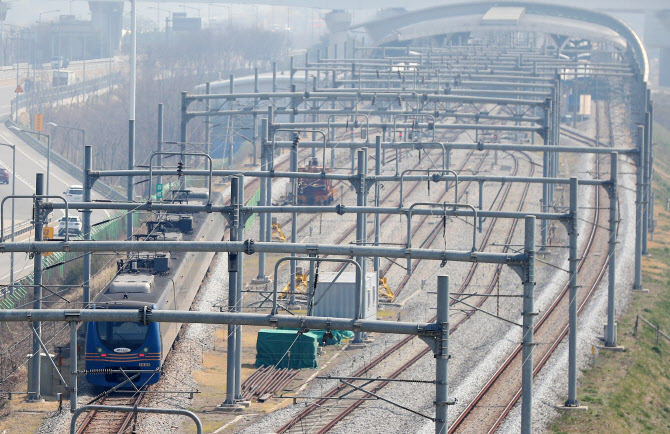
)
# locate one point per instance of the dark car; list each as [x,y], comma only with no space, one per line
[4,176]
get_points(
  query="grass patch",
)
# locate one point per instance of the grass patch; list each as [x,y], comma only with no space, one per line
[629,392]
[18,417]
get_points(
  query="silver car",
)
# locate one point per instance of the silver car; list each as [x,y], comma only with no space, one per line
[75,193]
[73,226]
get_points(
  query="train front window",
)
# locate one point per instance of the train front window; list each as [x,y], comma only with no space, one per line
[129,335]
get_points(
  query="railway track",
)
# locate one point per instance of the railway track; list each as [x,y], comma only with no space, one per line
[384,199]
[312,418]
[485,410]
[109,422]
[422,220]
[578,136]
[481,300]
[564,330]
[412,189]
[433,234]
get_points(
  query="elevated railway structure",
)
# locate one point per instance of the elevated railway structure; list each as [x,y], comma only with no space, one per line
[448,137]
[107,13]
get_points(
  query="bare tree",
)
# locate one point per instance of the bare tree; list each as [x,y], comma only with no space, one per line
[165,68]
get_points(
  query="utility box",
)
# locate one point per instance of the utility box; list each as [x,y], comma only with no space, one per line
[337,298]
[162,262]
[62,78]
[47,374]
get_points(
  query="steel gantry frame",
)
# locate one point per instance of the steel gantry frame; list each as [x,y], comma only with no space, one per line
[413,101]
[237,215]
[549,162]
[435,335]
[515,63]
[551,120]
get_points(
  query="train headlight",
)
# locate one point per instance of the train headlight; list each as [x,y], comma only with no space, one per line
[145,350]
[99,349]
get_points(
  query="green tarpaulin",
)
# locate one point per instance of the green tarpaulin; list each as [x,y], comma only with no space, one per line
[285,349]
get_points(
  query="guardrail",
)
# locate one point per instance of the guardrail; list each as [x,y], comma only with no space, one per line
[19,229]
[60,93]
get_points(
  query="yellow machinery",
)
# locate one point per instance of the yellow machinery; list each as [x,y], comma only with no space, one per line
[277,233]
[301,283]
[300,286]
[384,290]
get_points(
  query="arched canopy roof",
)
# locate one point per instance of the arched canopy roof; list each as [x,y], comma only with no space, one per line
[506,16]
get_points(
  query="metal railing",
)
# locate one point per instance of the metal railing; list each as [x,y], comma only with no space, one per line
[655,327]
[19,229]
[9,71]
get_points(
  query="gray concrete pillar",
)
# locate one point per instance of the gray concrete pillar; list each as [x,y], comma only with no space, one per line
[611,338]
[34,393]
[528,328]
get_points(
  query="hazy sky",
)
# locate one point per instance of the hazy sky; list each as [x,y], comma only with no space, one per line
[25,12]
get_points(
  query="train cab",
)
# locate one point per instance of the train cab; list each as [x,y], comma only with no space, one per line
[132,347]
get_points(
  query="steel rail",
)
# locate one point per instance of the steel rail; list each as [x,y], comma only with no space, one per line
[425,351]
[92,418]
[433,234]
[489,385]
[387,216]
[431,237]
[369,366]
[583,303]
[387,353]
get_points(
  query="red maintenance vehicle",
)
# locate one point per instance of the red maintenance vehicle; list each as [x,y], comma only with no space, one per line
[315,191]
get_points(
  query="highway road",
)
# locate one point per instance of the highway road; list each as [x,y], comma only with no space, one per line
[28,163]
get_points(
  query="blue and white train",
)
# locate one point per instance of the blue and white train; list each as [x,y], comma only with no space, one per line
[161,280]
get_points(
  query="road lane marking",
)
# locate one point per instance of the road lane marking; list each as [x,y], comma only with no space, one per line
[52,175]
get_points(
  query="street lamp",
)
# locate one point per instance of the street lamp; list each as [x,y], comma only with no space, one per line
[83,133]
[2,236]
[191,7]
[230,14]
[38,134]
[158,15]
[18,65]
